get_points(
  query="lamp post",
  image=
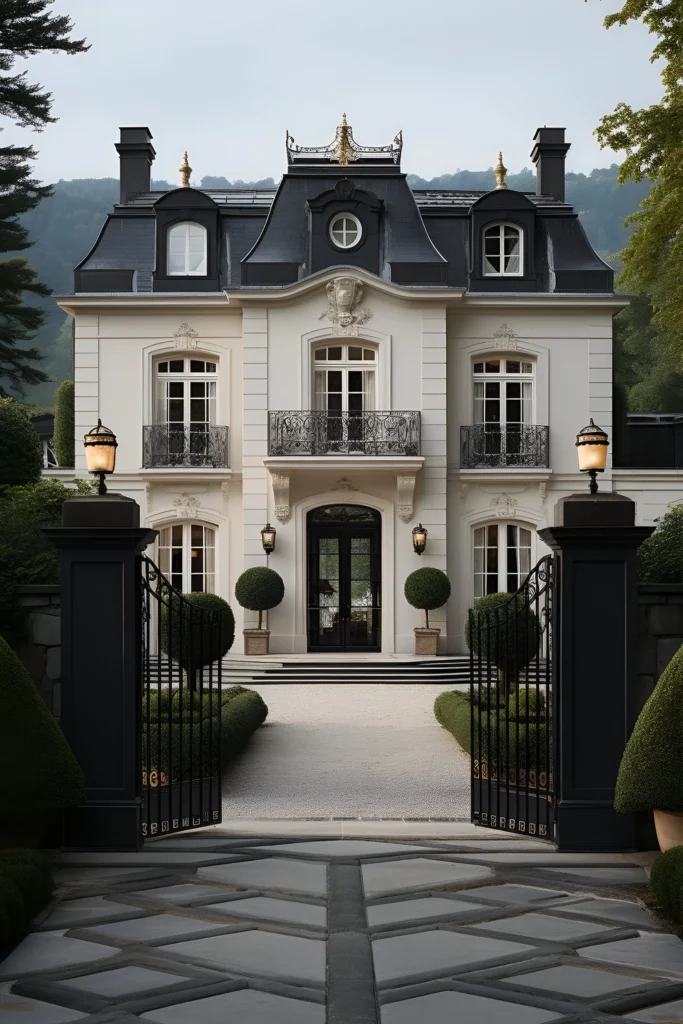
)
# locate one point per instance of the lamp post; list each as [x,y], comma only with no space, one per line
[592,444]
[100,453]
[419,539]
[268,534]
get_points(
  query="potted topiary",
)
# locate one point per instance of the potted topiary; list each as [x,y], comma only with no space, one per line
[503,630]
[258,589]
[650,776]
[196,631]
[427,589]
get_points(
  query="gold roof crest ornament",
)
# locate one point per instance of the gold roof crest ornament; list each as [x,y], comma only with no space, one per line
[344,152]
[500,170]
[185,172]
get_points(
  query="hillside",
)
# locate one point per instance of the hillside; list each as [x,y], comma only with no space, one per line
[65,227]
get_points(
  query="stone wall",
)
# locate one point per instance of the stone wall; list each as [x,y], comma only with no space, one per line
[42,652]
[660,632]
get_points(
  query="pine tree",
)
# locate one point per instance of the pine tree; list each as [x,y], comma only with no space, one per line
[26,28]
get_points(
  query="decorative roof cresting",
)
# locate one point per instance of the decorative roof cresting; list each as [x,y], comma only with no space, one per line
[500,171]
[344,150]
[185,172]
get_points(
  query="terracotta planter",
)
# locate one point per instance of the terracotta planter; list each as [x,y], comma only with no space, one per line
[669,827]
[427,642]
[256,641]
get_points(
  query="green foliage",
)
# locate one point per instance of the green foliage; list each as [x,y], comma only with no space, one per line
[64,435]
[21,451]
[259,589]
[650,776]
[666,880]
[503,629]
[646,366]
[25,888]
[38,771]
[660,557]
[523,704]
[453,711]
[427,588]
[505,746]
[196,631]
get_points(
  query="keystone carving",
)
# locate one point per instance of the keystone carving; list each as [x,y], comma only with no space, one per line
[505,506]
[343,298]
[186,505]
[186,337]
[506,338]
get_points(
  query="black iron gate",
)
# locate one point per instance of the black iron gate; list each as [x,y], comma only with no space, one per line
[181,709]
[511,703]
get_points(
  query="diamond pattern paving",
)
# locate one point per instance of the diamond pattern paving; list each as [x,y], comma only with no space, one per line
[406,957]
[516,894]
[245,1006]
[420,910]
[665,1013]
[150,929]
[418,873]
[662,953]
[264,908]
[48,951]
[122,981]
[543,927]
[257,952]
[181,892]
[83,911]
[15,1009]
[346,848]
[271,873]
[449,1007]
[579,982]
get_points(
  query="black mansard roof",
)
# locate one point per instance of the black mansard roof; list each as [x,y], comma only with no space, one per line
[275,237]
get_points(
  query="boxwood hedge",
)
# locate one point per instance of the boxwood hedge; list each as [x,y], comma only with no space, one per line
[25,888]
[666,879]
[521,743]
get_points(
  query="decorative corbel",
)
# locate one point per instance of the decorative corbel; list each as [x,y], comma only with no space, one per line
[280,482]
[225,491]
[542,491]
[405,485]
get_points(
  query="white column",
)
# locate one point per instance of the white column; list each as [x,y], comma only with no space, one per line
[431,506]
[254,438]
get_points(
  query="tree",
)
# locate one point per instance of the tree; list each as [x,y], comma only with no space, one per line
[645,361]
[26,28]
[259,589]
[653,140]
[427,589]
[21,451]
[64,431]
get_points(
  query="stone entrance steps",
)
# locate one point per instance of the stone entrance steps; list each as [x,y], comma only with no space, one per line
[446,671]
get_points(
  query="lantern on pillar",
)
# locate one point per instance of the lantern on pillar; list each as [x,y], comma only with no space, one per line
[100,453]
[591,445]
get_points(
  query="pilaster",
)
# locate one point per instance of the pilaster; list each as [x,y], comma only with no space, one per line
[86,380]
[254,437]
[431,503]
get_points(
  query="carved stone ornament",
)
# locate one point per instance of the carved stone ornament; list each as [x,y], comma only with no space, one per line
[283,508]
[344,484]
[225,491]
[506,338]
[186,337]
[343,297]
[464,489]
[405,487]
[542,490]
[505,506]
[186,505]
[148,495]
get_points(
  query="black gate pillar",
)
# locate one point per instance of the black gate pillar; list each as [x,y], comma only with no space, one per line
[594,664]
[100,542]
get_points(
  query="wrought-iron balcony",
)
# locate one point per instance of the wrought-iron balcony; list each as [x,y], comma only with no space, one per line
[307,432]
[188,445]
[490,446]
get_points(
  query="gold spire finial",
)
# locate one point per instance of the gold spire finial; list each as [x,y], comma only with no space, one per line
[185,172]
[344,150]
[500,171]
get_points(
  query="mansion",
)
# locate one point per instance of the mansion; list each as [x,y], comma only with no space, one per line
[346,358]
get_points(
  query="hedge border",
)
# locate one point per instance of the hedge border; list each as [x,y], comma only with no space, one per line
[452,710]
[25,889]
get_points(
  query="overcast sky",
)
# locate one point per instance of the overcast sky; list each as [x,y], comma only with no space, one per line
[462,78]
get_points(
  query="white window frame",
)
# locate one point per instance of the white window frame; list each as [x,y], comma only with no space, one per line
[208,573]
[359,231]
[501,525]
[187,377]
[501,236]
[344,365]
[201,270]
[503,378]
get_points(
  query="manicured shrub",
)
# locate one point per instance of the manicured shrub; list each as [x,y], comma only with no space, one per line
[64,442]
[526,705]
[21,450]
[660,557]
[38,771]
[666,879]
[503,630]
[506,745]
[196,631]
[651,773]
[25,888]
[427,589]
[259,589]
[453,711]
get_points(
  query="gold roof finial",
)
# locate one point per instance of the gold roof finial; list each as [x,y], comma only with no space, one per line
[500,171]
[344,150]
[185,172]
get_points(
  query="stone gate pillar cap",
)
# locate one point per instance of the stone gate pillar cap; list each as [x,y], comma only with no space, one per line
[108,509]
[606,508]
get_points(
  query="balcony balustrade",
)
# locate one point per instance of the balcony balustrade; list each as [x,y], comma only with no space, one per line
[186,445]
[308,432]
[491,446]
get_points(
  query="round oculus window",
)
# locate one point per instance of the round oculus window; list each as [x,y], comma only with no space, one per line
[345,230]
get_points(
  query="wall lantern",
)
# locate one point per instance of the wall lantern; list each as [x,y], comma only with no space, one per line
[592,444]
[268,539]
[419,539]
[100,453]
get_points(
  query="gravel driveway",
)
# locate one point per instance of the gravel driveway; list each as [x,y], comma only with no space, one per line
[349,751]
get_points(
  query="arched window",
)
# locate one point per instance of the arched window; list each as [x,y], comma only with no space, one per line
[503,251]
[345,379]
[502,557]
[187,557]
[187,249]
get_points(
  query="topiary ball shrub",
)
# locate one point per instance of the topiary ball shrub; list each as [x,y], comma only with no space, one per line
[427,589]
[21,450]
[503,630]
[64,430]
[196,631]
[39,774]
[650,775]
[666,879]
[259,589]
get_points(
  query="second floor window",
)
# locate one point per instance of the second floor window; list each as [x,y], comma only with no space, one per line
[187,249]
[503,251]
[503,392]
[186,393]
[344,379]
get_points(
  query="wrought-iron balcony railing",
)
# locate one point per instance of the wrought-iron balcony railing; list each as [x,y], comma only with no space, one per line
[309,432]
[490,446]
[188,445]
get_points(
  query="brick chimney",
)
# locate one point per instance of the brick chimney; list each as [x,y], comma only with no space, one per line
[136,155]
[549,153]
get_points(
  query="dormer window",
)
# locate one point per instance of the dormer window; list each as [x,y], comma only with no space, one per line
[345,231]
[187,249]
[503,251]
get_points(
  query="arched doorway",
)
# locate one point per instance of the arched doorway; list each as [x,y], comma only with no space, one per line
[344,578]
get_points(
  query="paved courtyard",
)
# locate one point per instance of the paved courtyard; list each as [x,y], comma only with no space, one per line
[210,928]
[383,740]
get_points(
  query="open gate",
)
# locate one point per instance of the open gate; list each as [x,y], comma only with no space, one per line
[181,709]
[511,702]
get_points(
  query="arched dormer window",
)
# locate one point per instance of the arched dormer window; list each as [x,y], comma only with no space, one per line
[186,249]
[503,251]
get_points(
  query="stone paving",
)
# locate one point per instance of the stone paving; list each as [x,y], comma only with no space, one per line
[213,928]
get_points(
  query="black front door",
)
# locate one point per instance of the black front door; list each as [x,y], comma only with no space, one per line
[344,578]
